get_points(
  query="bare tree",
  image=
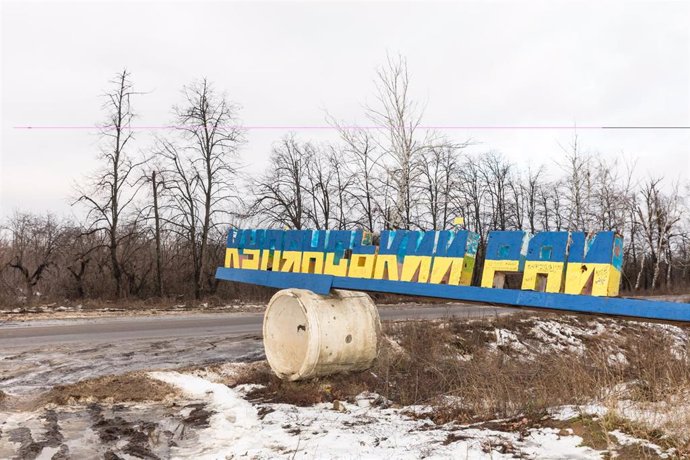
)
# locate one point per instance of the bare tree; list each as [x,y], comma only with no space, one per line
[531,189]
[111,190]
[362,165]
[439,167]
[658,215]
[576,186]
[517,203]
[279,194]
[550,206]
[182,207]
[472,194]
[33,248]
[77,253]
[342,181]
[155,184]
[611,195]
[320,188]
[152,177]
[495,171]
[202,171]
[399,117]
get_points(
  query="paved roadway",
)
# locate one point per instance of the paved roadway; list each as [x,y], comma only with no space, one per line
[109,329]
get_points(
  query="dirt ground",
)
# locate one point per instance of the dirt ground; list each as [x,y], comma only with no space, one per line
[78,311]
[130,387]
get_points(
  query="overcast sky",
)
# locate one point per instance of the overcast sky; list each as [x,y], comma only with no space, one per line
[474,64]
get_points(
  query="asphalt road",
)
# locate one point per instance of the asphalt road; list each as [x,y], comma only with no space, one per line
[98,330]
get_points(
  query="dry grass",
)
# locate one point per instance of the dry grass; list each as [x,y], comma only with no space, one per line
[612,421]
[458,368]
[455,366]
[131,387]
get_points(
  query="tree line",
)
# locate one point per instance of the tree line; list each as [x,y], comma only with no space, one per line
[154,225]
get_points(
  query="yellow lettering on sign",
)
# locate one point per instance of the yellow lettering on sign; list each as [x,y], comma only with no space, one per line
[416,268]
[552,271]
[331,268]
[250,259]
[467,271]
[447,270]
[312,262]
[232,258]
[386,264]
[362,265]
[268,258]
[593,279]
[492,267]
[291,261]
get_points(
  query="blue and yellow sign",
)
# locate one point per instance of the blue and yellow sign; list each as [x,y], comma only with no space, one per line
[557,262]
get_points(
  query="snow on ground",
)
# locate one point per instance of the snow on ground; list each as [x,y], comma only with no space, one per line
[542,335]
[508,339]
[355,431]
[211,420]
[677,335]
[564,413]
[671,416]
[624,439]
[654,415]
[234,424]
[572,334]
[557,335]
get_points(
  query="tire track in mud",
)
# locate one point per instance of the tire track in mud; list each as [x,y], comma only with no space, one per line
[148,431]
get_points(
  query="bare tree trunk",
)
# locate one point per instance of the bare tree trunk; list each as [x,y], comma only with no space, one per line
[203,172]
[400,117]
[655,277]
[639,273]
[157,236]
[78,276]
[115,171]
[34,243]
[111,193]
[669,267]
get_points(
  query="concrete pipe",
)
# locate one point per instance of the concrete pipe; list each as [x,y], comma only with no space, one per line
[309,335]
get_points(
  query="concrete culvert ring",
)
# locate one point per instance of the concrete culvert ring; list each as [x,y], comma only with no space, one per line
[287,324]
[303,338]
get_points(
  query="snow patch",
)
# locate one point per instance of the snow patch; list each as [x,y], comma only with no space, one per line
[508,339]
[627,440]
[679,337]
[560,336]
[234,424]
[365,429]
[564,413]
[617,359]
